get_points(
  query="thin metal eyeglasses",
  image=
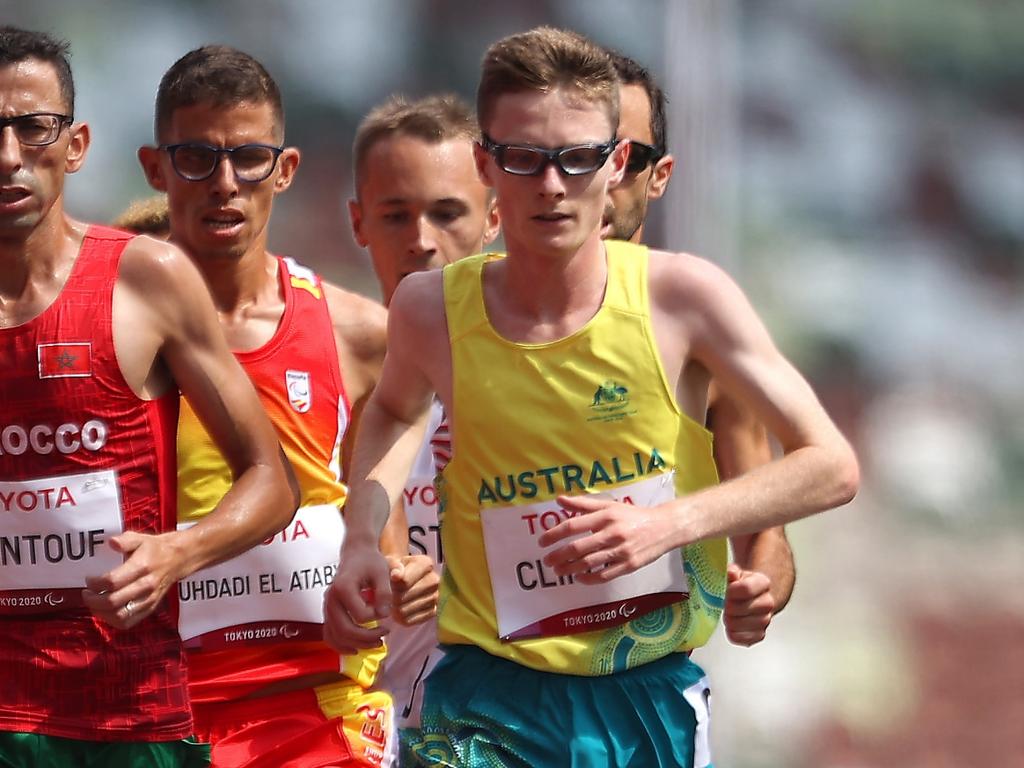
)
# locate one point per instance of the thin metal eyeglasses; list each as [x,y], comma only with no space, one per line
[36,129]
[251,163]
[522,160]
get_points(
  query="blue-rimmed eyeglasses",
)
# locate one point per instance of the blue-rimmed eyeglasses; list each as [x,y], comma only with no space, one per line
[37,129]
[521,160]
[250,162]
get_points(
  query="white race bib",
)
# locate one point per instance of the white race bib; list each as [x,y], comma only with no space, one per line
[54,534]
[419,498]
[532,601]
[270,593]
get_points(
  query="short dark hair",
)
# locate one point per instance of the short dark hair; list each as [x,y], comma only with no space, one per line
[630,72]
[542,60]
[218,75]
[432,119]
[18,44]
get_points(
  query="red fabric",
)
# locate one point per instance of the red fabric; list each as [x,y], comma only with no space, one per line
[284,731]
[304,342]
[65,673]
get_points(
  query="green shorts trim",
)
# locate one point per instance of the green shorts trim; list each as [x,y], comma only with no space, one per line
[480,711]
[36,750]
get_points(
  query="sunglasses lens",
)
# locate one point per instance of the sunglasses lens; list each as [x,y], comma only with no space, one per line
[639,157]
[579,160]
[521,160]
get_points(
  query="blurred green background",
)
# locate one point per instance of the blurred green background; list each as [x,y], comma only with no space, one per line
[859,167]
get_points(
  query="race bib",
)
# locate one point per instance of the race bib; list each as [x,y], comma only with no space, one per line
[270,593]
[420,500]
[54,533]
[532,601]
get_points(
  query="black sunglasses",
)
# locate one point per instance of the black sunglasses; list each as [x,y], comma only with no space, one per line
[250,163]
[641,155]
[521,160]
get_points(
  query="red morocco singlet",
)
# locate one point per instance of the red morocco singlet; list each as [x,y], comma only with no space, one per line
[81,459]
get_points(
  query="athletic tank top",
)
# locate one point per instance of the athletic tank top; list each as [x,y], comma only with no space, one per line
[81,458]
[250,627]
[592,412]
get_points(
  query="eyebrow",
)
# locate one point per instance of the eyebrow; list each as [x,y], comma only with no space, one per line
[392,201]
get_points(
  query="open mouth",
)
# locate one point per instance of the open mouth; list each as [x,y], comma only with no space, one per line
[223,221]
[9,195]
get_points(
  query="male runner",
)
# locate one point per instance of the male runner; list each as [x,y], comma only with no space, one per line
[575,374]
[762,575]
[98,332]
[266,689]
[419,205]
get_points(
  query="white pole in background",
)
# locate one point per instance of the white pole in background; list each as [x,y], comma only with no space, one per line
[701,82]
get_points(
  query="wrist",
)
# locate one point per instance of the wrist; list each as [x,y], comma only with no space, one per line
[360,537]
[679,517]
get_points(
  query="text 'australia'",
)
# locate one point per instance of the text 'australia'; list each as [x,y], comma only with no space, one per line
[568,478]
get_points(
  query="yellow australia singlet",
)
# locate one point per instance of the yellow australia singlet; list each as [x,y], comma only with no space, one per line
[591,412]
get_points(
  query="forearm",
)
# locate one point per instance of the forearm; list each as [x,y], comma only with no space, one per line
[261,501]
[768,552]
[806,481]
[395,538]
[384,453]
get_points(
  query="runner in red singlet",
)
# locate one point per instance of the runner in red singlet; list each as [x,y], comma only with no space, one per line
[98,332]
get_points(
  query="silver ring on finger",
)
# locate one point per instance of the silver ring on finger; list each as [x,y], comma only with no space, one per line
[129,608]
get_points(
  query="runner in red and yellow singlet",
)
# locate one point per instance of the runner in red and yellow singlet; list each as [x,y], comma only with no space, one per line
[267,690]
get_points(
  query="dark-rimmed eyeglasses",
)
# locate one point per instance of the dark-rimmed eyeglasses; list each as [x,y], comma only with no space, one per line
[640,156]
[36,129]
[521,160]
[250,163]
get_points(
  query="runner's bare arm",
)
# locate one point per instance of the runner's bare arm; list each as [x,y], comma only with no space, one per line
[392,429]
[166,333]
[762,573]
[360,334]
[708,320]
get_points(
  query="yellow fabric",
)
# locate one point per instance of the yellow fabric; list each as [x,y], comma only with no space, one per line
[204,476]
[593,410]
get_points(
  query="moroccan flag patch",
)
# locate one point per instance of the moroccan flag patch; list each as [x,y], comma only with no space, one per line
[71,359]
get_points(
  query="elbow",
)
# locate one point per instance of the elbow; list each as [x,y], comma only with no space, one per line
[290,494]
[846,475]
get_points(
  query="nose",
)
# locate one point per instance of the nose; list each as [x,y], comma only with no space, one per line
[424,237]
[552,182]
[223,181]
[10,150]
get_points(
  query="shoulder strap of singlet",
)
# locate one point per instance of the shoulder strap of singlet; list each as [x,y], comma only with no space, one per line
[463,295]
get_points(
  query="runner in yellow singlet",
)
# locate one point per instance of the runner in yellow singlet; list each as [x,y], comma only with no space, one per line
[581,520]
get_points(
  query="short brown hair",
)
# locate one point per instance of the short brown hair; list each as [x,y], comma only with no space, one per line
[433,119]
[545,59]
[147,216]
[218,75]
